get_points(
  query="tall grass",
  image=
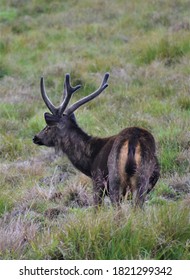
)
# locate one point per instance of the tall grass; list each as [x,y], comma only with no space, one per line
[155,233]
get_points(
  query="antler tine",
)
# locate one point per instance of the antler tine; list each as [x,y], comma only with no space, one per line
[86,99]
[46,99]
[68,92]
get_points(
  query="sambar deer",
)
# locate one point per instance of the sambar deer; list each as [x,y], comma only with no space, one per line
[118,164]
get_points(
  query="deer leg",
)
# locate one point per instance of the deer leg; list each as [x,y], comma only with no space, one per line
[114,176]
[114,190]
[141,191]
[98,195]
[154,177]
[99,188]
[153,180]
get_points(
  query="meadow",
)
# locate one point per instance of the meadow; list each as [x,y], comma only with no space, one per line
[46,206]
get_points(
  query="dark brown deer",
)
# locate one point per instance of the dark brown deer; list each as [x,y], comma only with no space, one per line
[118,164]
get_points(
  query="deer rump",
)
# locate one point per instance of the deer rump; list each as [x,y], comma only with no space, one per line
[131,166]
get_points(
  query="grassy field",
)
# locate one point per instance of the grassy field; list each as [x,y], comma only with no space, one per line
[45,204]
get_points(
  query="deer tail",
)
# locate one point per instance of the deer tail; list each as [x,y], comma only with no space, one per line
[131,165]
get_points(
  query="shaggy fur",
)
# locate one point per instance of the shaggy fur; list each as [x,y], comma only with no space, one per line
[119,164]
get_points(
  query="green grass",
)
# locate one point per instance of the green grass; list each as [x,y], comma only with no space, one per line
[158,233]
[166,49]
[5,205]
[45,204]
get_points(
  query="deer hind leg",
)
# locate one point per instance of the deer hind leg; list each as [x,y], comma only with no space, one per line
[154,177]
[140,191]
[114,188]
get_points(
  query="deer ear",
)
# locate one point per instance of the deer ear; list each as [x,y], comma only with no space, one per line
[51,119]
[72,117]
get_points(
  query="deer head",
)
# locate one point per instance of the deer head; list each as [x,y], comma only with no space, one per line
[62,118]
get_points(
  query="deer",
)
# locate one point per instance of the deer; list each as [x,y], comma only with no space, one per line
[117,165]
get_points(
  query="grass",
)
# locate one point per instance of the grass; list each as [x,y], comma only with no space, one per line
[46,205]
[160,232]
[166,49]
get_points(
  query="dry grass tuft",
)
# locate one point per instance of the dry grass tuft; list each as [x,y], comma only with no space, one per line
[53,213]
[77,195]
[16,235]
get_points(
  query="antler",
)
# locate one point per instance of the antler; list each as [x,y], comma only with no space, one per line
[46,99]
[86,99]
[67,94]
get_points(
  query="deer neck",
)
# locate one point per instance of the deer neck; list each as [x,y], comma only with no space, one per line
[76,144]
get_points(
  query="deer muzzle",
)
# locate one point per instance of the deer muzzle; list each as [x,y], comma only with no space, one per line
[37,140]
